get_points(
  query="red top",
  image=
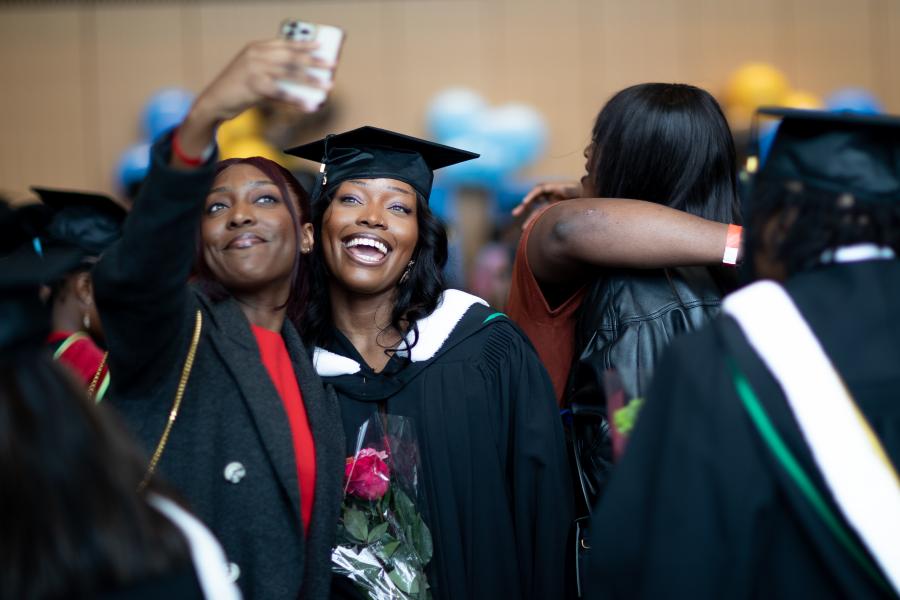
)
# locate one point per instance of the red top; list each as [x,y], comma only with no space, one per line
[79,352]
[278,363]
[551,330]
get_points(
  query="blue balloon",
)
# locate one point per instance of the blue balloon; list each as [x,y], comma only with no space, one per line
[489,170]
[133,165]
[165,110]
[442,202]
[454,112]
[855,100]
[519,128]
[512,192]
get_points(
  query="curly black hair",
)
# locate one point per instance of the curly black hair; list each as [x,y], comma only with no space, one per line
[417,295]
[813,221]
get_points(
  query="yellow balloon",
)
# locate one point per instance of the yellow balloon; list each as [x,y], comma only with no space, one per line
[246,147]
[247,124]
[800,99]
[754,85]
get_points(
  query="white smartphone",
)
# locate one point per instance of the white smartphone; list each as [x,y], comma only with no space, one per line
[330,40]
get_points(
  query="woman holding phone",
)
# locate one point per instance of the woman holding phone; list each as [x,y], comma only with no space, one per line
[212,375]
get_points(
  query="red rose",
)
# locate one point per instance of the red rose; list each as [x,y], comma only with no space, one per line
[367,475]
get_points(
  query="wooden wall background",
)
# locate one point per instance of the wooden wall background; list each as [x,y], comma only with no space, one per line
[76,74]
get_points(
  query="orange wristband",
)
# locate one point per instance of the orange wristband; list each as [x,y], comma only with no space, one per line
[732,244]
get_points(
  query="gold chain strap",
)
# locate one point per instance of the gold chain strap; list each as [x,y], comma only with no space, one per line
[179,394]
[92,389]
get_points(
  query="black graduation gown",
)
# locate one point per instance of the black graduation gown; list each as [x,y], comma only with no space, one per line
[699,507]
[495,476]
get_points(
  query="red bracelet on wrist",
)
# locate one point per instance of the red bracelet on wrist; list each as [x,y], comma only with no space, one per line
[188,160]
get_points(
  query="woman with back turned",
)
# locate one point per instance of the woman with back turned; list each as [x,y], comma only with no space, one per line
[600,271]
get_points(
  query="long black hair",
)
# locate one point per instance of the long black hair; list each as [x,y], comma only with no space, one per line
[417,295]
[667,143]
[73,522]
[289,188]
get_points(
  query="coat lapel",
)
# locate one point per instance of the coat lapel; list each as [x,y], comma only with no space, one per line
[234,341]
[323,413]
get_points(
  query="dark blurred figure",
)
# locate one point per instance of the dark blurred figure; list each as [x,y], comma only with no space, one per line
[88,224]
[73,522]
[490,276]
[764,462]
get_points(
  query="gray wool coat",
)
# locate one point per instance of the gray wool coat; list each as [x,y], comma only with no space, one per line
[230,453]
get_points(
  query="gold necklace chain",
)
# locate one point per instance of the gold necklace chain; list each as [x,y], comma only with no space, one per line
[179,394]
[92,389]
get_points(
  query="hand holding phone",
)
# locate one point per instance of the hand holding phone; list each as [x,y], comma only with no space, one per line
[330,40]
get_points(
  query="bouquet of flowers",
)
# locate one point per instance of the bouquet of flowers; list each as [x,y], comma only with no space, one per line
[383,543]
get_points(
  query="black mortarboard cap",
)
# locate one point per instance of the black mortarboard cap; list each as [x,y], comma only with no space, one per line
[87,221]
[372,153]
[24,267]
[836,152]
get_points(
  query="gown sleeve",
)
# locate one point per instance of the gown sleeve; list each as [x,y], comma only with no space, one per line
[540,486]
[678,514]
[141,282]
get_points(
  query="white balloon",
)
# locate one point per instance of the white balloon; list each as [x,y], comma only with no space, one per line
[454,112]
[519,127]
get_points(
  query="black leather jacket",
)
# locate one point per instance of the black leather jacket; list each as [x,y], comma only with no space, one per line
[629,316]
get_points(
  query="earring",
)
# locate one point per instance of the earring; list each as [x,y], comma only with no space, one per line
[86,321]
[405,275]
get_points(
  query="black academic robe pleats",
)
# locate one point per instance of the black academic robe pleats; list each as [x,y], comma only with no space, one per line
[699,507]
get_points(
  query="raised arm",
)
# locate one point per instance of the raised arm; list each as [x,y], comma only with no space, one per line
[141,283]
[573,237]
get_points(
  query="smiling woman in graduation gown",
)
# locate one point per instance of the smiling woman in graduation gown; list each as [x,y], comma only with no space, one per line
[494,470]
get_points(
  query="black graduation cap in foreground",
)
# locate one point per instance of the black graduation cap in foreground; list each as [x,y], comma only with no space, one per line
[23,269]
[87,221]
[372,153]
[836,152]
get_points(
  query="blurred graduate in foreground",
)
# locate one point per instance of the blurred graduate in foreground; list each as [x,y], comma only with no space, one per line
[764,463]
[75,522]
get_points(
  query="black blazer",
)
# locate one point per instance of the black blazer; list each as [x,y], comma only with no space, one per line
[230,452]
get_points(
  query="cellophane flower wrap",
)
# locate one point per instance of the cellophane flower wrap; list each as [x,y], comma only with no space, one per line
[383,543]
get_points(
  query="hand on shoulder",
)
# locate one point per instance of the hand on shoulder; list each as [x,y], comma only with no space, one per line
[546,193]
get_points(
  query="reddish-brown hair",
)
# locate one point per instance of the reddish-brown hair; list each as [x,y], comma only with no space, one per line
[289,187]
